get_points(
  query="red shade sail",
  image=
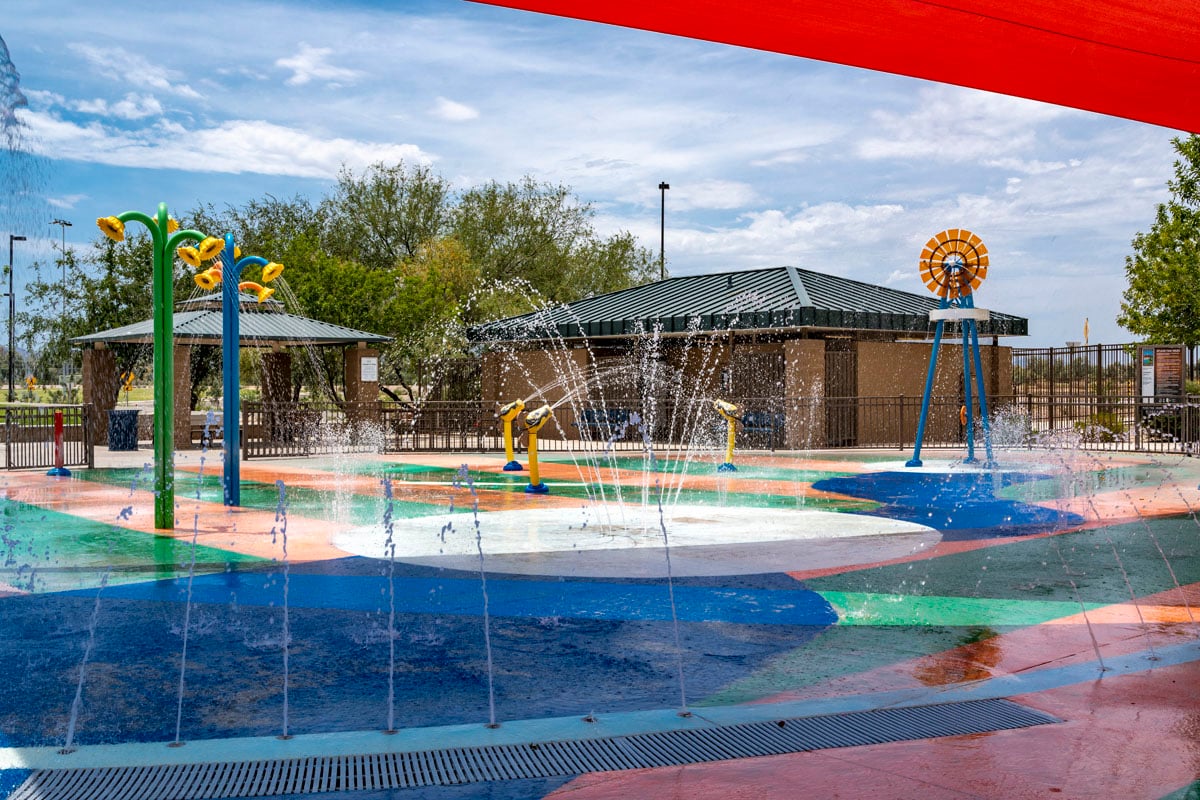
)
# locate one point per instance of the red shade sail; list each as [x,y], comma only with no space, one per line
[1138,59]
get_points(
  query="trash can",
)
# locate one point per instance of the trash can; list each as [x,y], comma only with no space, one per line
[122,430]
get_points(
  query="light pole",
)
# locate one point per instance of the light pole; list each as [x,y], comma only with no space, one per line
[62,251]
[662,233]
[12,307]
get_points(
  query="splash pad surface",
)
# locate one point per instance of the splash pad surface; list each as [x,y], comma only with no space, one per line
[1000,580]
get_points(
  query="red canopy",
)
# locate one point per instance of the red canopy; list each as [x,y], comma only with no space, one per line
[1128,58]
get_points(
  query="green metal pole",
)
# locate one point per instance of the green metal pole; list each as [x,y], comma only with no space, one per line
[163,291]
[164,377]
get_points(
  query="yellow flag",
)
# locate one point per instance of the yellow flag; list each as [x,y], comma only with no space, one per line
[1085,330]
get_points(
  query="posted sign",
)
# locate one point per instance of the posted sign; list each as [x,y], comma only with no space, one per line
[370,369]
[1162,370]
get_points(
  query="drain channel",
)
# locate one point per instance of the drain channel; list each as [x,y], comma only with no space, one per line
[532,760]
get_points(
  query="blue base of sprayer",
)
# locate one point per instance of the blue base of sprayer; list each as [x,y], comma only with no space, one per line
[59,472]
[916,462]
[513,466]
[537,488]
[726,467]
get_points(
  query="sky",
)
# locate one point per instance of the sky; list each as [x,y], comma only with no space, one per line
[771,159]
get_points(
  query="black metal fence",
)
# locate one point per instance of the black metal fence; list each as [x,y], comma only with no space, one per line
[1078,371]
[29,437]
[272,430]
[802,423]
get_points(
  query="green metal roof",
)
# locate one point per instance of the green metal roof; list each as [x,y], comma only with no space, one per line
[774,298]
[198,321]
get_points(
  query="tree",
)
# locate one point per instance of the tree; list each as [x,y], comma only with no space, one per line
[106,287]
[385,215]
[540,236]
[1162,301]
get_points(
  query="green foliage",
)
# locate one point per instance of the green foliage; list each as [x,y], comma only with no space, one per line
[1103,426]
[1162,300]
[386,215]
[542,236]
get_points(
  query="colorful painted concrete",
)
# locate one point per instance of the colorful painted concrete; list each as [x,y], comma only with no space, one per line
[372,588]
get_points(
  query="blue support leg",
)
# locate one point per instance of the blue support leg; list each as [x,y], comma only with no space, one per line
[983,407]
[968,423]
[915,461]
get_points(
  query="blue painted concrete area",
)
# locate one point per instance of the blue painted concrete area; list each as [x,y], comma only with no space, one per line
[559,648]
[962,505]
[557,598]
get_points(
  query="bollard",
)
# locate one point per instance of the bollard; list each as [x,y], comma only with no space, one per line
[59,470]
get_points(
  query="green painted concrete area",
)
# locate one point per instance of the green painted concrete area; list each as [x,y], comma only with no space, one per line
[861,608]
[912,610]
[45,551]
[1186,793]
[1092,563]
[368,509]
[342,506]
[847,650]
[675,466]
[1083,483]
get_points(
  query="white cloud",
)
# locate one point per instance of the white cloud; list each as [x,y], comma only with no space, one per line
[710,194]
[451,111]
[66,201]
[310,63]
[235,146]
[130,69]
[949,124]
[133,106]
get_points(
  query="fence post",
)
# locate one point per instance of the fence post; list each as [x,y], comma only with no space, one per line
[89,445]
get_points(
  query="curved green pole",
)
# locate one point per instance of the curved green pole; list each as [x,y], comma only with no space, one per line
[164,357]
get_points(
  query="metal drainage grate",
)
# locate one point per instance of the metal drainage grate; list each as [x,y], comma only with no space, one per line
[534,760]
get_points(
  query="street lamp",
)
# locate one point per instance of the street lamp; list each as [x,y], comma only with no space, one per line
[662,233]
[63,224]
[166,236]
[12,307]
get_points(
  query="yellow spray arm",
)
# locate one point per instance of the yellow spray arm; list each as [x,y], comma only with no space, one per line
[729,412]
[508,413]
[534,421]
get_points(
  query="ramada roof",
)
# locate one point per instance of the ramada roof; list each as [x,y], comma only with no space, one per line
[199,321]
[776,298]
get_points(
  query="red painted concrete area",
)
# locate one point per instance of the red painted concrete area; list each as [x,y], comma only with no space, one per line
[1131,736]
